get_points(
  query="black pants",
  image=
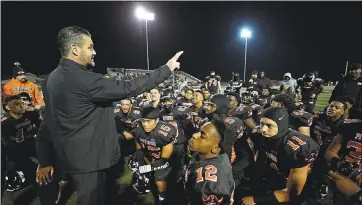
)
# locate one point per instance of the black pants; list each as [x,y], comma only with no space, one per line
[95,188]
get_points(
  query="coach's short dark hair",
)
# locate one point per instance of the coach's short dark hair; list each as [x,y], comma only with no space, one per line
[70,35]
[11,98]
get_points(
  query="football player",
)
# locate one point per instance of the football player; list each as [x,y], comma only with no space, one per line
[282,160]
[236,109]
[208,179]
[213,83]
[344,154]
[19,129]
[154,147]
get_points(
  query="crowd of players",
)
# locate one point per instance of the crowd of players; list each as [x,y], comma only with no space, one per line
[201,146]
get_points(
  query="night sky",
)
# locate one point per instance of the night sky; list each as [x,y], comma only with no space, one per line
[294,37]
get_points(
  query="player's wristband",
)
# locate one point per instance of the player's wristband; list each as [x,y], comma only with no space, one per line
[268,198]
[357,197]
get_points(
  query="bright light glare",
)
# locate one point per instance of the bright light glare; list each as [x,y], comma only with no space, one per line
[142,14]
[245,33]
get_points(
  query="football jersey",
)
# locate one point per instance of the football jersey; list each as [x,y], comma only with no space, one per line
[351,150]
[209,181]
[191,119]
[323,130]
[153,142]
[18,135]
[300,118]
[242,112]
[170,119]
[212,83]
[293,150]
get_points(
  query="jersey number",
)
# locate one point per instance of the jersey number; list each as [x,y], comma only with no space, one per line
[294,146]
[210,171]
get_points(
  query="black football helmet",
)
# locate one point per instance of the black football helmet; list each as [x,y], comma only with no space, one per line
[14,180]
[140,182]
[308,77]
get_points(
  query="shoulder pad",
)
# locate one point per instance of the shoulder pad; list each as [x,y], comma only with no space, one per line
[167,130]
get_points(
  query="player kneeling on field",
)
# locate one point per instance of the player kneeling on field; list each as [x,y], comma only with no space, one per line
[282,160]
[154,147]
[208,179]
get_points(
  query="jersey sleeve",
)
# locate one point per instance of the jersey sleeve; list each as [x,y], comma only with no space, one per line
[301,118]
[218,78]
[302,150]
[167,133]
[243,112]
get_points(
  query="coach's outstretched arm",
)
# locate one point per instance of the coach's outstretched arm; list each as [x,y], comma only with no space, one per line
[103,89]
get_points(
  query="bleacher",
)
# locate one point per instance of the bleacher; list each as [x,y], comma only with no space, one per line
[176,78]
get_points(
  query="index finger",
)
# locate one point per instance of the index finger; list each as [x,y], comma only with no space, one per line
[178,54]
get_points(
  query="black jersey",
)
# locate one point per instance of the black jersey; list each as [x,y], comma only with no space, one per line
[209,181]
[191,119]
[300,118]
[124,122]
[351,149]
[324,130]
[170,119]
[18,135]
[293,150]
[152,143]
[212,83]
[242,112]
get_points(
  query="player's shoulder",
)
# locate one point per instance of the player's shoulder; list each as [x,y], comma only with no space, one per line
[352,122]
[299,145]
[233,121]
[350,125]
[218,77]
[305,118]
[221,164]
[165,129]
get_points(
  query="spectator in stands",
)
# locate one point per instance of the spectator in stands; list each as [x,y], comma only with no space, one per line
[288,83]
[19,83]
[264,81]
[351,86]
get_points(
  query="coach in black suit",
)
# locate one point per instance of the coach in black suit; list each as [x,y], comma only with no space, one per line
[79,118]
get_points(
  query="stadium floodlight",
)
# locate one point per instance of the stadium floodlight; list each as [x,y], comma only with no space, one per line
[146,16]
[245,33]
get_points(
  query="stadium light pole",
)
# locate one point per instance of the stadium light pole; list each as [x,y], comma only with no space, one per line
[146,16]
[245,33]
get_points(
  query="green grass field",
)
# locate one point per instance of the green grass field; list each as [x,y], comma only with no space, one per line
[323,98]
